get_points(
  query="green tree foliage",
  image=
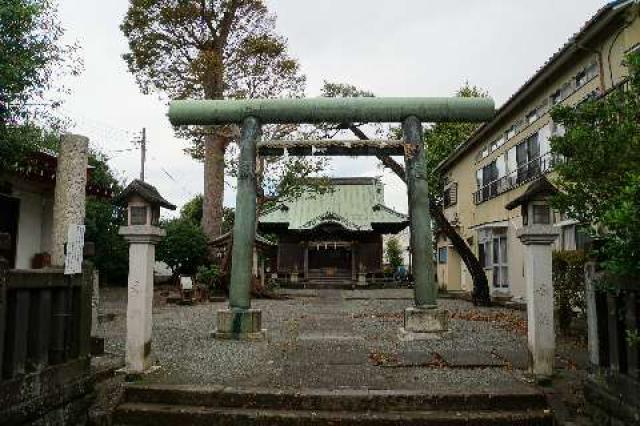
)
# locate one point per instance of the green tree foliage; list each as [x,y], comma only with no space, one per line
[103,221]
[192,211]
[208,50]
[184,248]
[32,61]
[442,139]
[393,253]
[599,176]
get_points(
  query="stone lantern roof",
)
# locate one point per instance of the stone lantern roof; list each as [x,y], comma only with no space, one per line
[147,192]
[539,188]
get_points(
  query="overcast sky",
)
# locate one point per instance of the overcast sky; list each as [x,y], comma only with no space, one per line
[391,47]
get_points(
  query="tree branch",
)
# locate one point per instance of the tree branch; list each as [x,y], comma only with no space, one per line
[227,22]
[386,160]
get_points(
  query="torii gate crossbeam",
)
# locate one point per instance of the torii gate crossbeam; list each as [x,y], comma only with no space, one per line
[242,322]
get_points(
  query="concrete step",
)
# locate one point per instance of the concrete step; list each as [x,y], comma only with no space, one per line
[333,400]
[163,414]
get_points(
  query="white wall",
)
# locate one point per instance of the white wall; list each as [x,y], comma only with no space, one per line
[29,238]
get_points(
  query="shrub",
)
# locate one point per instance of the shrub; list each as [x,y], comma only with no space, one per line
[393,253]
[184,248]
[208,276]
[568,286]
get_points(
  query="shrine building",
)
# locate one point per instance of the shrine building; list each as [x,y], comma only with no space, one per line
[333,236]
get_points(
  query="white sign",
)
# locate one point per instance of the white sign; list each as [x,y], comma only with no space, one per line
[186,283]
[75,249]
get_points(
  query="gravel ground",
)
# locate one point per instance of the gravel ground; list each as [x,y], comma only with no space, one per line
[344,338]
[329,338]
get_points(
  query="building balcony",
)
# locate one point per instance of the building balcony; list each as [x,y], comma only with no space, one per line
[522,175]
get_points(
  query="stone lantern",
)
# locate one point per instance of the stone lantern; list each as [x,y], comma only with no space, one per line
[537,235]
[142,232]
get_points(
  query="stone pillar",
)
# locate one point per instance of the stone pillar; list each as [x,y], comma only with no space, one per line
[95,303]
[537,241]
[142,240]
[593,342]
[97,342]
[240,322]
[71,183]
[306,261]
[424,317]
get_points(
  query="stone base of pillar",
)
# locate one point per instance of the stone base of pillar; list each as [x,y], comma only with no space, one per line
[240,324]
[425,320]
[362,280]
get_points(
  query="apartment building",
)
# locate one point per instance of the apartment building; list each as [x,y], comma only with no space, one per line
[504,156]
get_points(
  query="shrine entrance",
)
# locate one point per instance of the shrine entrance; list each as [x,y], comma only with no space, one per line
[240,321]
[330,257]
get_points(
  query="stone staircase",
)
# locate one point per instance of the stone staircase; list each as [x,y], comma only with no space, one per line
[161,405]
[319,279]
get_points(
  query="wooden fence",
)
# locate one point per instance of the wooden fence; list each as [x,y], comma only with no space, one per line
[45,319]
[45,327]
[613,309]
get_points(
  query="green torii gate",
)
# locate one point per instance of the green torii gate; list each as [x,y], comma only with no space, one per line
[242,322]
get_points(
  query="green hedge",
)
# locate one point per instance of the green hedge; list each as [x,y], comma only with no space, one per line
[568,286]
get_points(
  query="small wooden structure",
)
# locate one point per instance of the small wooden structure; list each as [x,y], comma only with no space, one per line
[264,257]
[333,237]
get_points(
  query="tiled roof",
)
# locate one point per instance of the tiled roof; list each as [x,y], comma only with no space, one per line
[608,12]
[226,237]
[355,203]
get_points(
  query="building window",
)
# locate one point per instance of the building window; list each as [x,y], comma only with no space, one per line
[511,132]
[500,267]
[485,152]
[442,255]
[586,75]
[581,79]
[484,251]
[532,116]
[484,248]
[451,195]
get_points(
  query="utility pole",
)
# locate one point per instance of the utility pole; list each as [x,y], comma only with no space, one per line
[143,152]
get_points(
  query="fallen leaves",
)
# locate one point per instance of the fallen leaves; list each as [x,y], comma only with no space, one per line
[388,316]
[508,320]
[382,358]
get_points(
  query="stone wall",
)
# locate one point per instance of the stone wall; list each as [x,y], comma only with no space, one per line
[57,395]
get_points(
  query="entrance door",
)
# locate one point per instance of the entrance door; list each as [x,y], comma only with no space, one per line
[329,259]
[9,208]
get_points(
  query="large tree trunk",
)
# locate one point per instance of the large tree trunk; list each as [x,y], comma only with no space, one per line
[480,294]
[215,144]
[214,149]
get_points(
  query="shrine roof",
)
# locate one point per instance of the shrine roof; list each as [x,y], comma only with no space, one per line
[356,204]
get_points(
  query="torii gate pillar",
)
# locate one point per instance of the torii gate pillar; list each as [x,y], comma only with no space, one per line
[239,321]
[424,317]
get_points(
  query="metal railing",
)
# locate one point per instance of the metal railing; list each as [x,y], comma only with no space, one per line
[523,174]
